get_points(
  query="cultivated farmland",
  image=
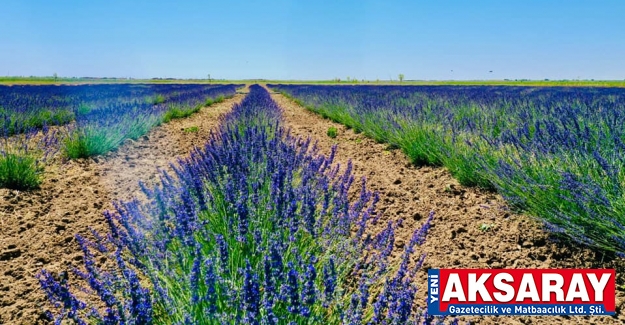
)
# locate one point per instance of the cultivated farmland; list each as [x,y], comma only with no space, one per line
[555,152]
[195,204]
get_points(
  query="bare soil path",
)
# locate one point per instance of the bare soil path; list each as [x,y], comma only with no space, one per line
[37,228]
[471,229]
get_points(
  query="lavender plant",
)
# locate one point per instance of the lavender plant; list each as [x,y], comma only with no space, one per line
[23,155]
[122,298]
[256,227]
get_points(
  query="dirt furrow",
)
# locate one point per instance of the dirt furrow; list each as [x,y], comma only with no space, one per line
[471,229]
[37,228]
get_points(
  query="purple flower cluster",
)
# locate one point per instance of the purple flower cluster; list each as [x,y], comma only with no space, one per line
[124,299]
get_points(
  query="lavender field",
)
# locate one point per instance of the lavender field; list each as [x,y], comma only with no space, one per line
[554,152]
[254,225]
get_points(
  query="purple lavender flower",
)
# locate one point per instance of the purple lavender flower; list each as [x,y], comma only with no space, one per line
[329,281]
[251,295]
[290,290]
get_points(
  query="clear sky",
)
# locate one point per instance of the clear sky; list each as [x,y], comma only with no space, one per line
[434,39]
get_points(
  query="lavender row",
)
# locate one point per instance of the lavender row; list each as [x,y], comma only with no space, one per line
[255,227]
[25,107]
[99,131]
[554,152]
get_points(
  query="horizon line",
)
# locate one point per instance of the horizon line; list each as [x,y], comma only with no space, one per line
[305,80]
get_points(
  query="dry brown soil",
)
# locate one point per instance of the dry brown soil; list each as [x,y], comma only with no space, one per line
[37,228]
[471,228]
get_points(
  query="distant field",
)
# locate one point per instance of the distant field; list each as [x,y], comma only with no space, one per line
[529,83]
[81,81]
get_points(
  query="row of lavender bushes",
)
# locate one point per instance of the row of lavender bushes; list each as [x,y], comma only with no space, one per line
[23,107]
[256,227]
[555,152]
[98,131]
[103,119]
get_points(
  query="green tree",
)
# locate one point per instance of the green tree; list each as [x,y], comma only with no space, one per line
[401,77]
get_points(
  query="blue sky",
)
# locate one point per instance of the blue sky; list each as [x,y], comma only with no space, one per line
[424,40]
